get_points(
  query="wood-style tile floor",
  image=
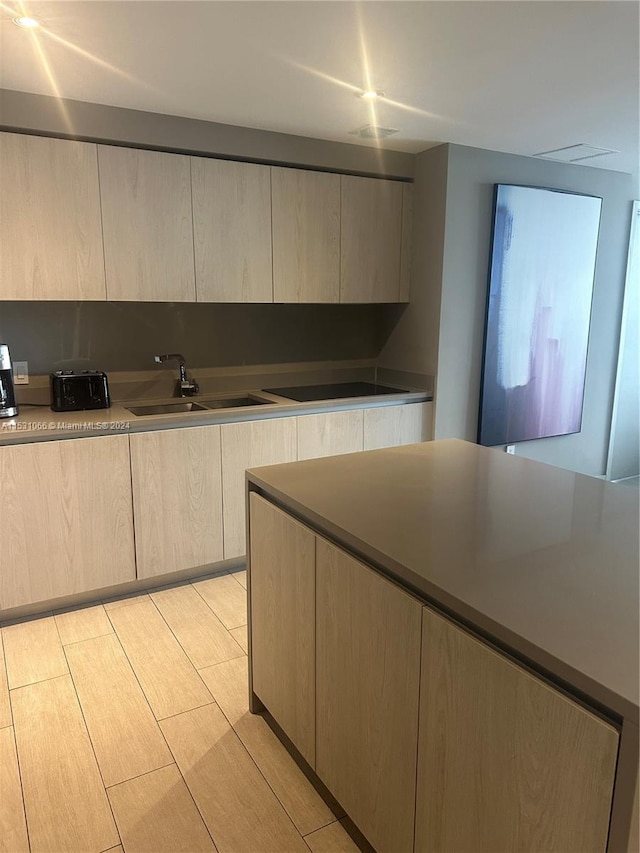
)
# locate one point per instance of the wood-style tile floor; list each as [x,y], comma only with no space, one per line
[124,726]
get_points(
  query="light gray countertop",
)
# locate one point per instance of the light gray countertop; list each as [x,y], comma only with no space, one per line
[42,424]
[540,560]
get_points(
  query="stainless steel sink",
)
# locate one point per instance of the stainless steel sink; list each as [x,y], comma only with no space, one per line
[181,406]
[234,402]
[166,408]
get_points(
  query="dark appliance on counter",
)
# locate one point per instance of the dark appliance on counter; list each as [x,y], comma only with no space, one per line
[8,407]
[73,391]
[334,391]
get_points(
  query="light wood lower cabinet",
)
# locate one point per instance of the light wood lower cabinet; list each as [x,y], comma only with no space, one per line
[248,445]
[367,683]
[283,621]
[330,434]
[391,426]
[66,524]
[177,498]
[505,762]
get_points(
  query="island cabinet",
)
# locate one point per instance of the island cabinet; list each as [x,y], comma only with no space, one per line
[505,761]
[232,230]
[367,685]
[429,737]
[66,524]
[177,499]
[306,235]
[148,225]
[50,229]
[371,240]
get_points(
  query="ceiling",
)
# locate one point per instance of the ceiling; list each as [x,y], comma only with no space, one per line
[522,77]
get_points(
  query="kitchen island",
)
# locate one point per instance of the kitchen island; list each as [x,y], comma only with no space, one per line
[448,637]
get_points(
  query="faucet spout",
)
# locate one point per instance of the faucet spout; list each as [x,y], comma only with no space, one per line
[185,387]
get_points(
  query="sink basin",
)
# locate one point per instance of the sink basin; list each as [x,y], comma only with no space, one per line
[234,402]
[166,408]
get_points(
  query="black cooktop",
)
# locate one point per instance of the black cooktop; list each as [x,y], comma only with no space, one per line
[310,393]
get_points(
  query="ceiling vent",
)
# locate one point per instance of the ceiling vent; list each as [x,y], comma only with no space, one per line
[370,131]
[575,153]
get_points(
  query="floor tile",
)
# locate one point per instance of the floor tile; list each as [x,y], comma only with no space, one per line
[240,810]
[66,804]
[155,812]
[5,707]
[169,680]
[124,600]
[13,829]
[228,683]
[332,839]
[200,633]
[240,636]
[83,623]
[240,576]
[123,730]
[226,597]
[33,652]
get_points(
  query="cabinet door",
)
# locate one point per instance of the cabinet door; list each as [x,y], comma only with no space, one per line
[66,524]
[367,681]
[406,245]
[506,762]
[329,434]
[147,223]
[306,236]
[232,230]
[371,228]
[282,588]
[249,445]
[50,230]
[177,499]
[391,426]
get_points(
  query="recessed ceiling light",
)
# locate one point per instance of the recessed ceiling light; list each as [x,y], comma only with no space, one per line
[370,94]
[26,23]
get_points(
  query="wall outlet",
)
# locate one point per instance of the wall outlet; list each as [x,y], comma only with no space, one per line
[20,372]
[511,448]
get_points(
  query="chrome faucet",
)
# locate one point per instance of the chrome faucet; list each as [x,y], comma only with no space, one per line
[185,387]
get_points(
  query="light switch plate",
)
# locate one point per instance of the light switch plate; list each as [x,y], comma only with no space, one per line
[20,372]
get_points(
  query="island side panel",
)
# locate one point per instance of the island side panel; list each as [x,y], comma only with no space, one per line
[282,577]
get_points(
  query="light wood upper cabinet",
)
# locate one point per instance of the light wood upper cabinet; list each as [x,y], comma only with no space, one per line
[50,229]
[371,236]
[248,445]
[66,524]
[232,230]
[177,499]
[329,434]
[392,426]
[367,682]
[306,236]
[406,245]
[283,621]
[505,762]
[147,223]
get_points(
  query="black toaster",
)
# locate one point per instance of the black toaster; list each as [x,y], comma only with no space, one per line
[73,391]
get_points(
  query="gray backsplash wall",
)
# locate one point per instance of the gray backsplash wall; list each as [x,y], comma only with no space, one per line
[124,336]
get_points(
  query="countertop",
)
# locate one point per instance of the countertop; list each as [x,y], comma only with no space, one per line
[42,424]
[542,561]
